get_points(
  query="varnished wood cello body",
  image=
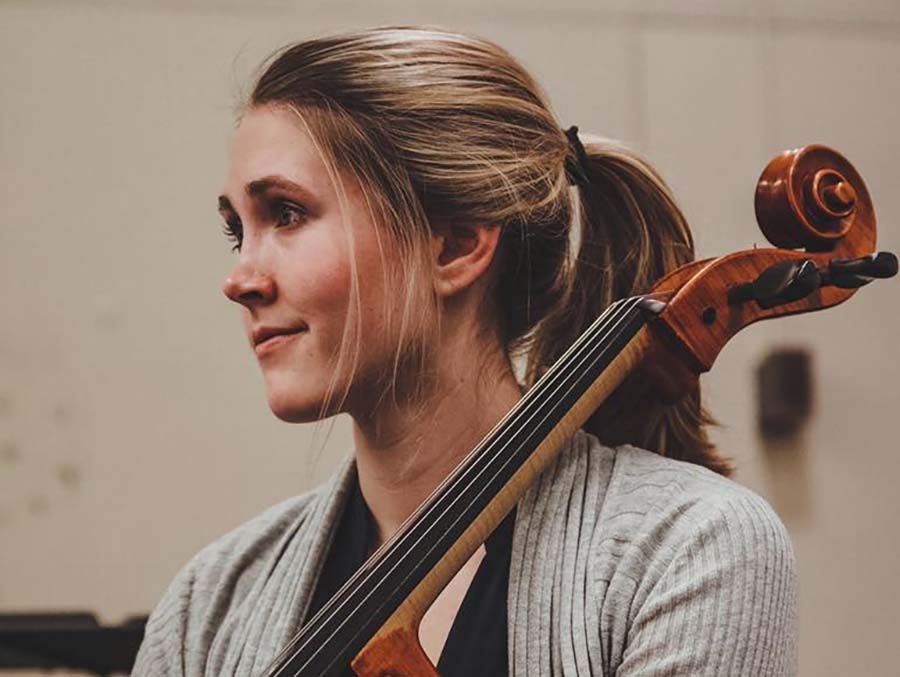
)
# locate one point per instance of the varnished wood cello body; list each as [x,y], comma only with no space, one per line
[810,203]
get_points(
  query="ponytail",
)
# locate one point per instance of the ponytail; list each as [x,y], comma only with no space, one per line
[631,234]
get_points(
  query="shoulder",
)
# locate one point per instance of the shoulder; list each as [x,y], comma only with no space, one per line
[705,556]
[668,549]
[256,534]
[237,554]
[634,486]
[650,508]
[649,493]
[221,575]
[640,494]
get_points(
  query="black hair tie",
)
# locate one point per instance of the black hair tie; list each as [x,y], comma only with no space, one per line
[576,167]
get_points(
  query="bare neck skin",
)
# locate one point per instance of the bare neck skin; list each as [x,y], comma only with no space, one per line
[400,461]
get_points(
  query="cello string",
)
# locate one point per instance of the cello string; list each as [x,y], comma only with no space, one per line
[598,326]
[336,656]
[455,497]
[366,573]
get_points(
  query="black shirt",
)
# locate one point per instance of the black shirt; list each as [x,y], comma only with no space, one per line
[477,643]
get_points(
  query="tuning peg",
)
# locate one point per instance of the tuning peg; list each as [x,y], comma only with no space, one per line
[852,273]
[781,283]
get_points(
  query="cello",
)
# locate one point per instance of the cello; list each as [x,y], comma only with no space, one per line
[810,203]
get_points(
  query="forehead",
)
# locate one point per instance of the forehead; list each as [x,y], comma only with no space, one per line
[271,141]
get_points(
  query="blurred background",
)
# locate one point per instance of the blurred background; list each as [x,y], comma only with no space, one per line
[133,422]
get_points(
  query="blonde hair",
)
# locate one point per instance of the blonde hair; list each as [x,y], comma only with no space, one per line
[437,126]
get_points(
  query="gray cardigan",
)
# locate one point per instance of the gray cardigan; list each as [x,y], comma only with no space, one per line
[623,563]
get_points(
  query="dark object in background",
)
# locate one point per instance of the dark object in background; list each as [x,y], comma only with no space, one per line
[784,392]
[69,640]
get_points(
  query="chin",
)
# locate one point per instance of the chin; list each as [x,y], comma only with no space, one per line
[296,398]
[293,409]
[293,405]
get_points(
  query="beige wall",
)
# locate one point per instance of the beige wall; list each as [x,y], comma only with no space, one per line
[133,424]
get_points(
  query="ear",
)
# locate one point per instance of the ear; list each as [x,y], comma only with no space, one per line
[462,254]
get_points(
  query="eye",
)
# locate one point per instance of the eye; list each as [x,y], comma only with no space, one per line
[234,231]
[288,214]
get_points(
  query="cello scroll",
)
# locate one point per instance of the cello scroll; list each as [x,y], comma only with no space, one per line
[811,198]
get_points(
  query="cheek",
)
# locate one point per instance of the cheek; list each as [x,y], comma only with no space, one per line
[375,300]
[318,282]
[331,282]
[319,278]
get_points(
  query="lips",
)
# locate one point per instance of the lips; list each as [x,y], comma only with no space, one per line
[275,341]
[264,333]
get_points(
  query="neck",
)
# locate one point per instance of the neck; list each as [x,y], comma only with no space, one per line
[402,457]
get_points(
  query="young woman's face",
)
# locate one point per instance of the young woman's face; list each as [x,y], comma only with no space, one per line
[293,269]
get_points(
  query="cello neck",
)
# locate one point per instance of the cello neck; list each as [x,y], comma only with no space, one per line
[413,566]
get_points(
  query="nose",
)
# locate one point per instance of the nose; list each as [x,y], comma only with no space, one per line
[248,286]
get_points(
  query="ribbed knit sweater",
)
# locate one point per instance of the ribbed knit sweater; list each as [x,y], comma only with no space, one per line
[623,563]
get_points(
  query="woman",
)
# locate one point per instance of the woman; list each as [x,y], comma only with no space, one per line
[409,217]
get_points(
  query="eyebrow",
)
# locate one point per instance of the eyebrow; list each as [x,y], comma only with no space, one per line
[260,186]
